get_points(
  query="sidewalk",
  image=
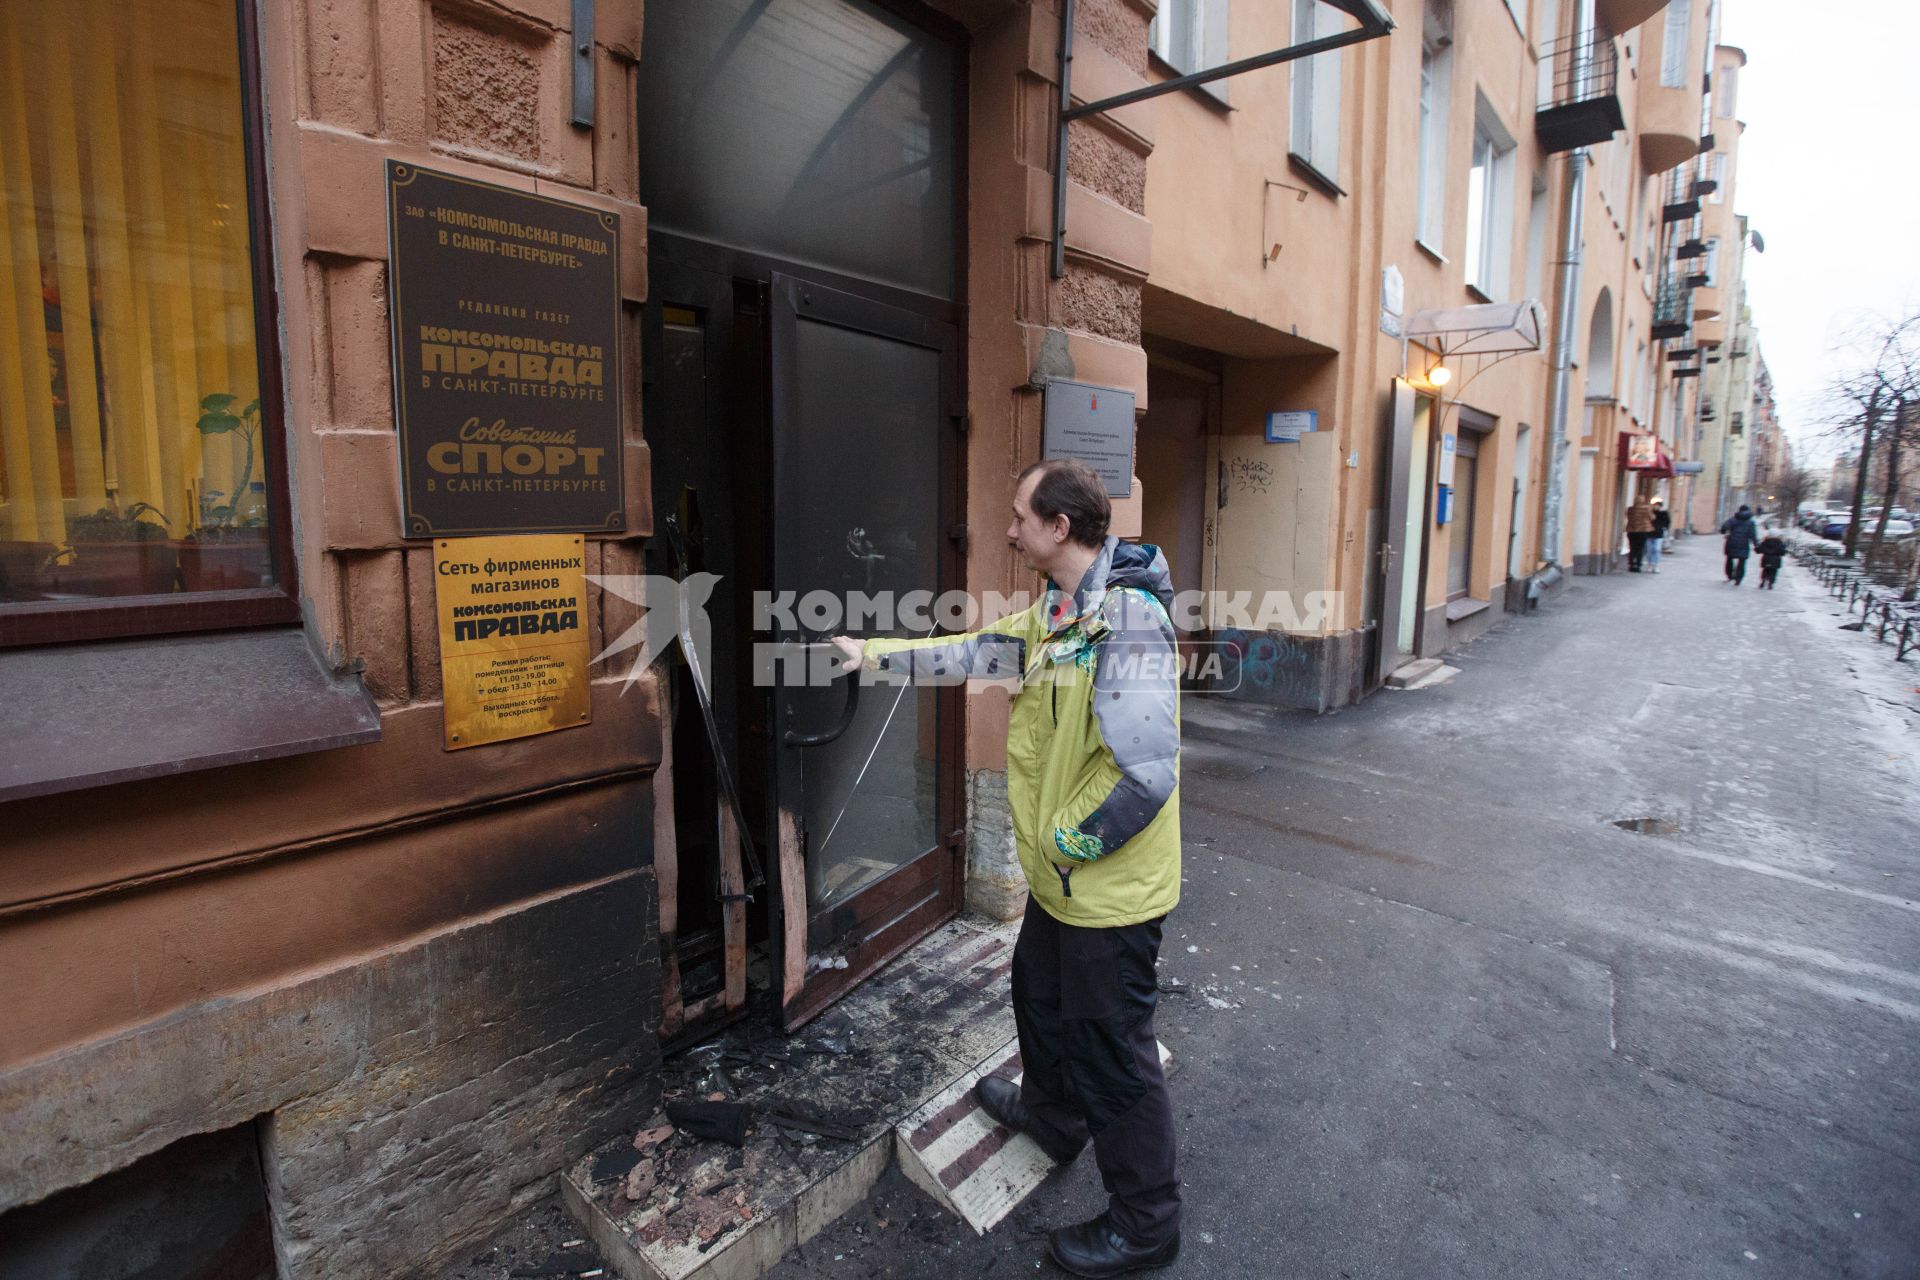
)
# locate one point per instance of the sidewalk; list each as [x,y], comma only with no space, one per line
[1440,1016]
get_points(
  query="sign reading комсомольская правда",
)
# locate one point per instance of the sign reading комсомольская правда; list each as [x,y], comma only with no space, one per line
[506,332]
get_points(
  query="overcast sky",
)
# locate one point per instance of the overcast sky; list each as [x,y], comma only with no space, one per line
[1830,183]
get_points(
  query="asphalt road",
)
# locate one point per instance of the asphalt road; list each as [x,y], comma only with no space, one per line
[1438,1016]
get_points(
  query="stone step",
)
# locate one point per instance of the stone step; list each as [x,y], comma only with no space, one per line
[1407,673]
[1439,675]
[958,1154]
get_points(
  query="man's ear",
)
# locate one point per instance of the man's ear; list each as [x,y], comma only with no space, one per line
[1061,526]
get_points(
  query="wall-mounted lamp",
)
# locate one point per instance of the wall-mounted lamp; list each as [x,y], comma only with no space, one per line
[1439,376]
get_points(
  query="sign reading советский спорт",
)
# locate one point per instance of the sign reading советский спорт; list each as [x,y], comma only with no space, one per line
[506,331]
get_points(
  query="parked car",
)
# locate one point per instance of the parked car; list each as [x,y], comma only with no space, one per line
[1834,525]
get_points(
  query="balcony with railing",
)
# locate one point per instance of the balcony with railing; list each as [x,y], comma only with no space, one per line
[1672,309]
[1679,194]
[1583,104]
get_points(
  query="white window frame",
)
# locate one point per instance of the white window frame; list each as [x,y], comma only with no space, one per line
[1313,125]
[1718,172]
[1675,37]
[1712,266]
[1436,84]
[1729,89]
[1489,251]
[1190,36]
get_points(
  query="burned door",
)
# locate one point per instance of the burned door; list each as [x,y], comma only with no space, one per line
[865,426]
[802,158]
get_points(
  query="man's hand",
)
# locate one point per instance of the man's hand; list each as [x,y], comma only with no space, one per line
[852,652]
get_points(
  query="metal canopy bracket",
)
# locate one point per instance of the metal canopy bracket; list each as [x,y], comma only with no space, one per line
[1373,20]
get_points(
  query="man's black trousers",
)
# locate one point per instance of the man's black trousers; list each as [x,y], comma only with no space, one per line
[1083,1001]
[1736,569]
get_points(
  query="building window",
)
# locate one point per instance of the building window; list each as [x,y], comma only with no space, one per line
[1537,239]
[1712,260]
[1190,36]
[139,456]
[1673,44]
[1314,130]
[1517,9]
[1489,204]
[1724,100]
[1718,173]
[1436,76]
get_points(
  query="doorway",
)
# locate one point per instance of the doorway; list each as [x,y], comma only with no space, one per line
[803,401]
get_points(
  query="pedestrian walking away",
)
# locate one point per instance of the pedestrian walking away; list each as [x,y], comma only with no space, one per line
[1773,550]
[1657,540]
[1639,526]
[1741,534]
[1093,783]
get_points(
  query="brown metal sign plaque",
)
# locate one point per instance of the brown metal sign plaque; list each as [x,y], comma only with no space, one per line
[506,333]
[513,636]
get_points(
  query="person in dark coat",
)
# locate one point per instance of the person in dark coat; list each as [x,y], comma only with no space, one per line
[1773,550]
[1741,533]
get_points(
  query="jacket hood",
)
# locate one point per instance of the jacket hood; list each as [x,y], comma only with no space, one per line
[1119,564]
[1143,566]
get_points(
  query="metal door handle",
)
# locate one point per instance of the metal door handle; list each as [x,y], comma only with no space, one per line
[794,738]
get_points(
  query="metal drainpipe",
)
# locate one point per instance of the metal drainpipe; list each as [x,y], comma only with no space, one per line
[1566,306]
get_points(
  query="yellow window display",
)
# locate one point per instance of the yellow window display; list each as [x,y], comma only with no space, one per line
[132,460]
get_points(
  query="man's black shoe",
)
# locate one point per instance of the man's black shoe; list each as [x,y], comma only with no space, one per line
[1000,1099]
[1096,1249]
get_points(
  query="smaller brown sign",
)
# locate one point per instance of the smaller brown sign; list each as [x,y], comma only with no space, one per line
[513,636]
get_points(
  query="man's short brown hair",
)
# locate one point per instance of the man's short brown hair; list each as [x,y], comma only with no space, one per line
[1068,487]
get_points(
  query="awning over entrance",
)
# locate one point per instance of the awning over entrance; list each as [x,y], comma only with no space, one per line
[1643,455]
[1490,328]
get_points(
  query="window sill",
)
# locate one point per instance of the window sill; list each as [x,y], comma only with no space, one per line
[84,716]
[1214,95]
[1430,251]
[1465,607]
[1478,294]
[1326,185]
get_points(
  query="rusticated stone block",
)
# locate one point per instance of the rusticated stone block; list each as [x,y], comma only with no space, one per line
[484,82]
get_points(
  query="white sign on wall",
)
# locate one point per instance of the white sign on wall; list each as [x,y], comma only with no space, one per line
[1287,426]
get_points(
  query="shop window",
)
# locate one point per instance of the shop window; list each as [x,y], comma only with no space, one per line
[1313,136]
[1489,204]
[140,478]
[1190,36]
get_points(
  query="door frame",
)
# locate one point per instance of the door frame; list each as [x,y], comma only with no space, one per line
[1391,555]
[886,917]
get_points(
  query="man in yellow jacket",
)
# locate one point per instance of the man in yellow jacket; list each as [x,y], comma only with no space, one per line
[1093,749]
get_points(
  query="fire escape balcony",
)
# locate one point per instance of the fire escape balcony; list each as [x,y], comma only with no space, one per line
[1679,195]
[1672,309]
[1584,107]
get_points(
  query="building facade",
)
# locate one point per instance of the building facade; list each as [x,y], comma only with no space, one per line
[1408,203]
[351,989]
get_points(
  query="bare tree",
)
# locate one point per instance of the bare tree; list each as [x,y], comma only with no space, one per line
[1877,401]
[1791,488]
